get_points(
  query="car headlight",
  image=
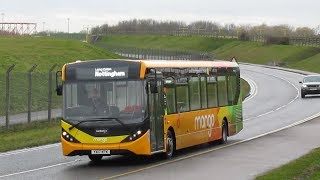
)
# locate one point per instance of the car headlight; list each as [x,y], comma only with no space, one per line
[68,137]
[304,86]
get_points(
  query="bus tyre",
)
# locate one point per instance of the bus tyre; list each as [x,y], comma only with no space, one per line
[95,158]
[170,145]
[224,133]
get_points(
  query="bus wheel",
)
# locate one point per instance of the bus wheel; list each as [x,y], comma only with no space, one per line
[95,158]
[224,138]
[170,145]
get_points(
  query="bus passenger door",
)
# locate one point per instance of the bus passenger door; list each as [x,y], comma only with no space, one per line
[156,116]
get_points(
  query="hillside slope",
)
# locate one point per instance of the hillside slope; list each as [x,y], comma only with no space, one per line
[299,57]
[26,51]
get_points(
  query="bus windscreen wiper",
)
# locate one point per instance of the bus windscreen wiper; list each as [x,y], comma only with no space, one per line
[112,118]
[97,119]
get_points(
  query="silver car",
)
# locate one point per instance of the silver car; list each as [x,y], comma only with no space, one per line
[310,85]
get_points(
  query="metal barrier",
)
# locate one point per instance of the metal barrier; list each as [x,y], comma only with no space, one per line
[27,96]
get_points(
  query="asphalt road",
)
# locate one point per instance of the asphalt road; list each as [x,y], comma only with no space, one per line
[274,105]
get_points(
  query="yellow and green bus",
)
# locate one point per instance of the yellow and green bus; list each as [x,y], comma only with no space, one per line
[143,107]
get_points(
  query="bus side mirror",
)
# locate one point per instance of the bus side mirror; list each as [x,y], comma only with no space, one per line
[153,87]
[59,90]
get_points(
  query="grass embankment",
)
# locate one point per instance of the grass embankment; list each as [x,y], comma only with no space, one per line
[166,42]
[45,52]
[245,88]
[306,167]
[29,135]
[298,57]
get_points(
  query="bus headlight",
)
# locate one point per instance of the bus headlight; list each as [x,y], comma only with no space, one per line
[133,136]
[68,137]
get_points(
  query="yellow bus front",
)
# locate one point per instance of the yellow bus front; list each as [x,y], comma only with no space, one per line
[105,109]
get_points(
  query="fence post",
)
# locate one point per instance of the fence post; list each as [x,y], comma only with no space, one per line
[30,91]
[50,91]
[8,94]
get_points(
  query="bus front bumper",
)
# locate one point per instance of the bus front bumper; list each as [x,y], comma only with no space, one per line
[140,146]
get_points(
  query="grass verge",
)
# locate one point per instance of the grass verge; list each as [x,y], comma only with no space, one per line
[245,88]
[29,135]
[306,167]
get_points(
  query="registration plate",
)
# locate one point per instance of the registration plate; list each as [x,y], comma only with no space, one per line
[100,151]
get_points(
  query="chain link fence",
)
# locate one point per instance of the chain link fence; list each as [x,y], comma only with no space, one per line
[28,96]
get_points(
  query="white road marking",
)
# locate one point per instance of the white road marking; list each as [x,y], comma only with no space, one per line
[38,169]
[29,150]
[278,108]
[253,88]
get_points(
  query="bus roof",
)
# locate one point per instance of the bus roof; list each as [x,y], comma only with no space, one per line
[186,63]
[182,64]
[136,65]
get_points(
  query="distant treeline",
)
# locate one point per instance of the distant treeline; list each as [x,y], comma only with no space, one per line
[150,26]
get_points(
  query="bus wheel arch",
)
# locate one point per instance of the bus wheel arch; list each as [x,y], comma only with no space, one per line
[170,143]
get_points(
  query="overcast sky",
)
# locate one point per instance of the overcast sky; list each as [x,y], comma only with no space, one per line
[97,12]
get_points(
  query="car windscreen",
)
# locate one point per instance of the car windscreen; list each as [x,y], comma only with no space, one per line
[311,79]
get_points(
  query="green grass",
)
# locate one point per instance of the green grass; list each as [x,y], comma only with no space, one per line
[26,51]
[306,167]
[254,52]
[298,57]
[29,135]
[45,52]
[245,88]
[167,42]
[309,64]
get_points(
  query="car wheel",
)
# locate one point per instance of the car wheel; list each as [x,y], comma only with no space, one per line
[95,158]
[303,95]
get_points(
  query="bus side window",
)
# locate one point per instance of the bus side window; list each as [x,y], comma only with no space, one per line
[204,102]
[182,98]
[171,99]
[222,89]
[194,87]
[212,92]
[232,86]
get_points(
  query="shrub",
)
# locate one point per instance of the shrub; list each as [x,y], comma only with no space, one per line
[277,40]
[244,36]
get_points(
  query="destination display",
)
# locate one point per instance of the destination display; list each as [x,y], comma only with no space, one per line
[102,73]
